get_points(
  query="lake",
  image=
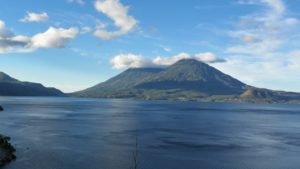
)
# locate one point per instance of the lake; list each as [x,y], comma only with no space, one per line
[76,133]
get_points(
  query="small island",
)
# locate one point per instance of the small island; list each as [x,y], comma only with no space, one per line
[6,149]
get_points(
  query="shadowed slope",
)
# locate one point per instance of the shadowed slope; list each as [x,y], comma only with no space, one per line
[121,83]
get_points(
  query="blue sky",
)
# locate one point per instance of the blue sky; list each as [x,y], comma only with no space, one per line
[74,44]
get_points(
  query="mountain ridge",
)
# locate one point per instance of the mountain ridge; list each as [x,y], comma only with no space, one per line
[12,87]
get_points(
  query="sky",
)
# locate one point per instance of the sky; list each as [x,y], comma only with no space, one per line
[75,44]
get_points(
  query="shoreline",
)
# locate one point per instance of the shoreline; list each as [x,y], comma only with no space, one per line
[183,100]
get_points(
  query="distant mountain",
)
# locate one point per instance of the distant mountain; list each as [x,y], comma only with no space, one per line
[13,87]
[185,80]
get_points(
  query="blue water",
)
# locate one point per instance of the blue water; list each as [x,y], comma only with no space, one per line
[75,133]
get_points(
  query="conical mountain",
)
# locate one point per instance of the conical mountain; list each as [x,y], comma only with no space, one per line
[185,76]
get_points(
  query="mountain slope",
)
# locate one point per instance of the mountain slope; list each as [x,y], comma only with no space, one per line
[121,84]
[13,87]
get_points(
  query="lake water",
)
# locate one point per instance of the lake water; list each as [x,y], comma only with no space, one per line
[75,133]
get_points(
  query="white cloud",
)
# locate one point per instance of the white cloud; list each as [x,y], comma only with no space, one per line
[208,57]
[165,61]
[52,38]
[4,32]
[165,48]
[119,14]
[9,41]
[79,51]
[291,21]
[86,29]
[124,61]
[264,32]
[80,2]
[35,17]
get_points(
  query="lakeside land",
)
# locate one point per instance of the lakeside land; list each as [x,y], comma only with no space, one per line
[6,149]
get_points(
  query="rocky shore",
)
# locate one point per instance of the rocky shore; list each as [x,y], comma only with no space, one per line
[6,149]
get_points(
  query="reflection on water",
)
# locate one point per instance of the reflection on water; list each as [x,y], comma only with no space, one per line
[64,133]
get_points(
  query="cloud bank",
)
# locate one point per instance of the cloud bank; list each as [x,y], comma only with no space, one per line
[265,49]
[119,14]
[264,32]
[125,61]
[53,38]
